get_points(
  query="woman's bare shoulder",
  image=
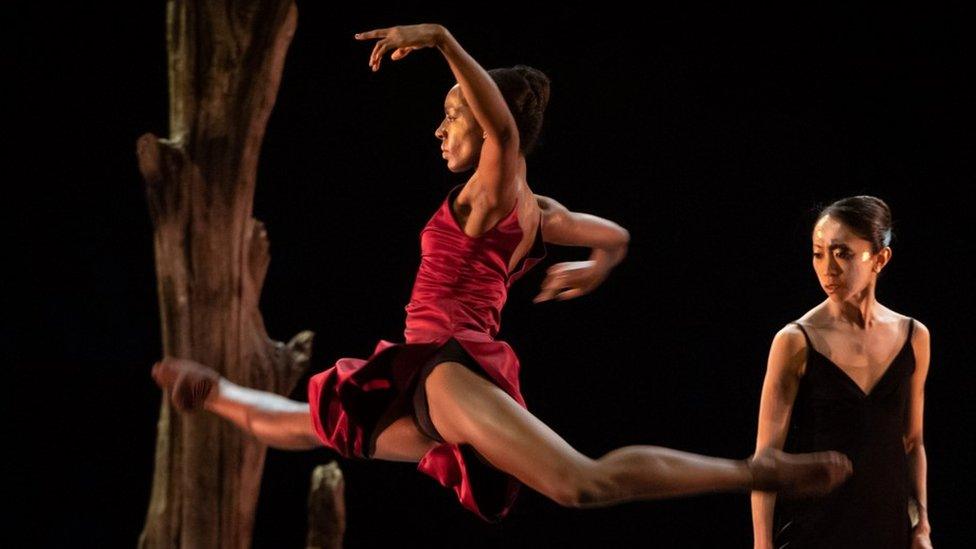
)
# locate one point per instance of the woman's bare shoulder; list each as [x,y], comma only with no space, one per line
[899,323]
[901,318]
[791,337]
[788,351]
[920,334]
[552,211]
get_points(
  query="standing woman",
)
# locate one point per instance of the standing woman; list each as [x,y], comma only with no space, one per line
[448,398]
[849,376]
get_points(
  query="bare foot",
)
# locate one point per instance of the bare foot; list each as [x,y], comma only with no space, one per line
[189,383]
[798,475]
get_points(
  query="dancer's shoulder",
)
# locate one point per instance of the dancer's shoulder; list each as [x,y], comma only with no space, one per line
[791,337]
[901,322]
[920,336]
[787,353]
[549,205]
[554,214]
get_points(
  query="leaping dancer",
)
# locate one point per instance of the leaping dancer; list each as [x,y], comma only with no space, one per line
[448,398]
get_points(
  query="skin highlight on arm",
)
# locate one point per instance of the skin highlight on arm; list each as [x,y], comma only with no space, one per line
[787,356]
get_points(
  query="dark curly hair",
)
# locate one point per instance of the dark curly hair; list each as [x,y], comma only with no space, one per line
[526,91]
[869,217]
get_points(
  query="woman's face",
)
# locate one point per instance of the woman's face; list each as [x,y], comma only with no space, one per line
[460,134]
[843,261]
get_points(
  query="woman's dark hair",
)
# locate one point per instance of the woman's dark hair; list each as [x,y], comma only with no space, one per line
[867,216]
[526,91]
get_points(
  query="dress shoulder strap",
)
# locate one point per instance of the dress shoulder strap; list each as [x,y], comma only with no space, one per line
[808,353]
[802,329]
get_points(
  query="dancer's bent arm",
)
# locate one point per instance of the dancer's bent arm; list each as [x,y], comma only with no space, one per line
[563,227]
[787,358]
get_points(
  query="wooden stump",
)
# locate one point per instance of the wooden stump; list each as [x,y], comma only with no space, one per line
[225,64]
[326,508]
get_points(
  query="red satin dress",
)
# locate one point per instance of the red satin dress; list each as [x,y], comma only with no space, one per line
[459,292]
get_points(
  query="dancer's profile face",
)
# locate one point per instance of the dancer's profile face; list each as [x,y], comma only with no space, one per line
[460,134]
[843,261]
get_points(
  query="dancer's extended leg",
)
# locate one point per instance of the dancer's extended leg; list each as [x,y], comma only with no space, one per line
[467,409]
[273,419]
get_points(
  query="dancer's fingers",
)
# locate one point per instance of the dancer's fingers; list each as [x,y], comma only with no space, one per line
[545,295]
[555,281]
[400,53]
[374,58]
[551,286]
[561,293]
[375,33]
[569,294]
[372,54]
[542,296]
[384,46]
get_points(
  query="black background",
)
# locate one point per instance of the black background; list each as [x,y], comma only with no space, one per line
[712,135]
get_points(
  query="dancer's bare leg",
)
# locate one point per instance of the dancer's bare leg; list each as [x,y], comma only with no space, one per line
[277,421]
[273,419]
[505,434]
[467,409]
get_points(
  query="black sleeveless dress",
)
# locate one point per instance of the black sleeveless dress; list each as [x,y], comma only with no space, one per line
[831,412]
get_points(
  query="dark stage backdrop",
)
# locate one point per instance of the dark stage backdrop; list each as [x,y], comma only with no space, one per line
[710,135]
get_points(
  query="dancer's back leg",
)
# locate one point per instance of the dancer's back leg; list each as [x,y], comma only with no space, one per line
[277,421]
[468,409]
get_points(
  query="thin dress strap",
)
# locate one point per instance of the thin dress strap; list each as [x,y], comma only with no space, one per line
[802,329]
[809,348]
[911,329]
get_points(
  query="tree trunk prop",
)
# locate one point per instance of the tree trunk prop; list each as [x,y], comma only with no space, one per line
[326,508]
[225,64]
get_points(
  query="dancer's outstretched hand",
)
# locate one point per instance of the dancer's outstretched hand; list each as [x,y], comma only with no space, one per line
[570,279]
[402,39]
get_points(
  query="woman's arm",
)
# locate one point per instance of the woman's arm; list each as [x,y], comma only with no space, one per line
[914,446]
[787,356]
[498,162]
[479,90]
[607,239]
[499,153]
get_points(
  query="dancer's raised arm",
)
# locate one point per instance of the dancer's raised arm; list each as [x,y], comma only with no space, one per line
[500,151]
